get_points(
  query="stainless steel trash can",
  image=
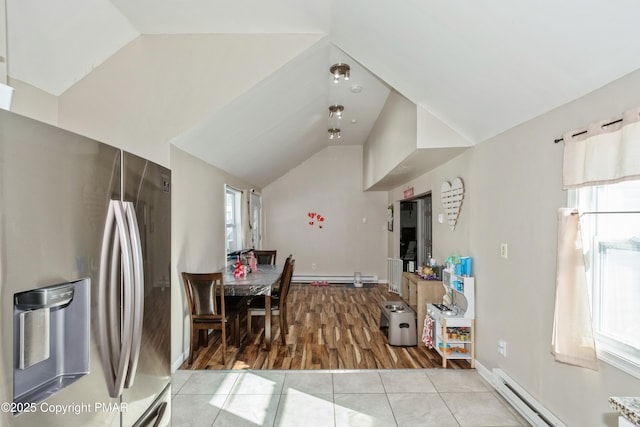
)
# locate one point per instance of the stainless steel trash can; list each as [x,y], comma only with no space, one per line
[399,320]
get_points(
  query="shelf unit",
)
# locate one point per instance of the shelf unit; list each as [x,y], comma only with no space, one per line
[443,331]
[418,293]
[459,292]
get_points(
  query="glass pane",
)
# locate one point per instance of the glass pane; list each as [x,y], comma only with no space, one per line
[229,208]
[233,237]
[230,239]
[620,293]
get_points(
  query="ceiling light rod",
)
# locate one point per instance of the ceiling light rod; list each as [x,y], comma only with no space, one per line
[334,133]
[337,110]
[339,70]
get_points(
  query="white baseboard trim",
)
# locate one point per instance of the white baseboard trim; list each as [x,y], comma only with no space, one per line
[178,362]
[526,405]
[484,372]
[308,278]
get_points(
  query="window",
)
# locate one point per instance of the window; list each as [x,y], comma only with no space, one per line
[611,244]
[233,220]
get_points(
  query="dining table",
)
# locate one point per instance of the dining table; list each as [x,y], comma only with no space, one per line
[256,283]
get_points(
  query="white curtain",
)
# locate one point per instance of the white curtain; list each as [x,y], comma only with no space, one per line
[605,152]
[572,340]
[244,220]
[255,219]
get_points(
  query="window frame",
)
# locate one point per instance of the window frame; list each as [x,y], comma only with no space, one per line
[233,219]
[610,350]
[613,351]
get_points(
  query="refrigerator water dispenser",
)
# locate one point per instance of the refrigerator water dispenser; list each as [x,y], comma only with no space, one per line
[34,337]
[51,339]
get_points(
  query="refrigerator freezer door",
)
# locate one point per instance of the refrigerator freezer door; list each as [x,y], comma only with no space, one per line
[158,414]
[54,192]
[148,187]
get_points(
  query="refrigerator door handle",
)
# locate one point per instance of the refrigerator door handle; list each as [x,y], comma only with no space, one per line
[138,291]
[112,300]
[160,414]
[115,330]
[127,299]
[104,285]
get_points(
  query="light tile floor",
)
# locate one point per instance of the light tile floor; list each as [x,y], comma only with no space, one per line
[371,398]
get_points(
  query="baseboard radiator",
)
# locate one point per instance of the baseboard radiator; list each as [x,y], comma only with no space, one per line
[394,268]
[532,410]
[333,279]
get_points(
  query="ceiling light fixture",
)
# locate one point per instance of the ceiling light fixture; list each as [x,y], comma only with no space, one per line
[336,110]
[334,133]
[340,70]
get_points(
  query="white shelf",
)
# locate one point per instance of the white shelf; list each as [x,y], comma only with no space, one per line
[454,355]
[447,325]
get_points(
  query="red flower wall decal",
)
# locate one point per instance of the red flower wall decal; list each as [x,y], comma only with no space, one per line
[314,215]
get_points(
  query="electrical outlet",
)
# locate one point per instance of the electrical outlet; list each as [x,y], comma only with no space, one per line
[313,265]
[502,348]
[504,250]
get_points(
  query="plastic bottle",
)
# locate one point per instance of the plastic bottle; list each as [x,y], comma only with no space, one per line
[253,263]
[238,272]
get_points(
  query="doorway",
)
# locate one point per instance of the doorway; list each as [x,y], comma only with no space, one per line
[416,235]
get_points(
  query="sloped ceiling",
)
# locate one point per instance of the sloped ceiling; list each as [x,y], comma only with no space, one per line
[480,67]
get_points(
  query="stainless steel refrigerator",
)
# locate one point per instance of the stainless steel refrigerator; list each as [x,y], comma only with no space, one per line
[84,281]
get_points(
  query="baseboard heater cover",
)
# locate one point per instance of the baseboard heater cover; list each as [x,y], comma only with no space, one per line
[332,279]
[532,410]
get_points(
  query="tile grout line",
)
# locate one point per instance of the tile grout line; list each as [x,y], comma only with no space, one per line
[238,375]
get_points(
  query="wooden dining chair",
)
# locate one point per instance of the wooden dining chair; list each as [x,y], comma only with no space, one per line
[206,303]
[278,301]
[265,256]
[275,292]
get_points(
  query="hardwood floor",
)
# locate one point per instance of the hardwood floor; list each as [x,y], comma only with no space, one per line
[330,327]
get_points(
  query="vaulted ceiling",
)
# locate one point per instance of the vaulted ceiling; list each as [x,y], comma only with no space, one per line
[480,67]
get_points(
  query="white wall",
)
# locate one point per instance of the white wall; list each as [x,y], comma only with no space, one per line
[35,103]
[392,138]
[3,41]
[197,232]
[329,183]
[513,190]
[432,132]
[157,86]
[445,242]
